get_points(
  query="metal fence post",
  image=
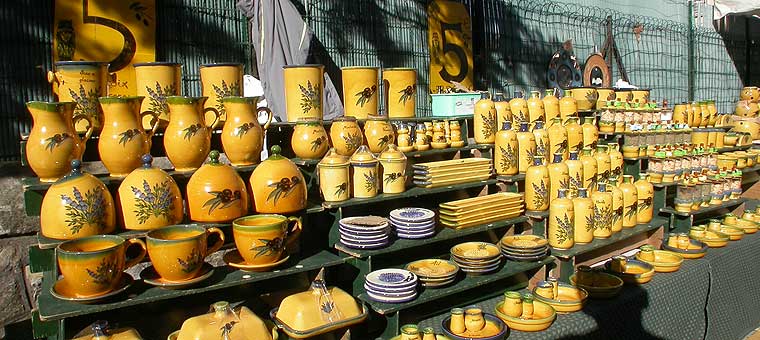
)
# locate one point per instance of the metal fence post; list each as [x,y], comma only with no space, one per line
[692,73]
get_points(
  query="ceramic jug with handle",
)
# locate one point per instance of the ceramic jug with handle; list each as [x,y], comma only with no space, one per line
[187,139]
[81,82]
[242,135]
[123,141]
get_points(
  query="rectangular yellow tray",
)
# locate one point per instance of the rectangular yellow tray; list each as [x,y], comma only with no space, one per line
[452,163]
[437,183]
[460,174]
[458,225]
[479,210]
[448,171]
[480,200]
[481,215]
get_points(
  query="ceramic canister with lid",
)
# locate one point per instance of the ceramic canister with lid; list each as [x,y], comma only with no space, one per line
[334,179]
[149,198]
[364,173]
[393,170]
[277,185]
[216,193]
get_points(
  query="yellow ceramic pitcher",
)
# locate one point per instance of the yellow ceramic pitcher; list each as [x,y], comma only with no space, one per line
[81,82]
[53,143]
[122,140]
[220,80]
[187,139]
[156,81]
[400,86]
[242,136]
[360,91]
[304,87]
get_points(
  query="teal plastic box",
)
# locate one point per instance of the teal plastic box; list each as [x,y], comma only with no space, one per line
[454,104]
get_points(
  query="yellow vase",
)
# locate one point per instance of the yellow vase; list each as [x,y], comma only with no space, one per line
[537,186]
[345,135]
[503,112]
[519,108]
[187,138]
[561,217]
[585,98]
[149,198]
[277,185]
[696,112]
[568,106]
[590,133]
[616,160]
[535,108]
[551,107]
[334,179]
[360,91]
[220,80]
[590,169]
[400,86]
[645,196]
[558,142]
[583,222]
[53,143]
[393,170]
[559,177]
[603,96]
[505,158]
[82,82]
[484,119]
[156,81]
[242,135]
[123,141]
[542,141]
[457,321]
[679,113]
[82,201]
[512,305]
[617,205]
[526,147]
[575,173]
[630,202]
[574,134]
[365,173]
[309,139]
[603,164]
[602,211]
[216,193]
[378,133]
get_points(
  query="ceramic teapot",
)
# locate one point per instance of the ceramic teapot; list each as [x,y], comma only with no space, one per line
[216,193]
[122,140]
[53,143]
[77,205]
[277,185]
[149,198]
[334,179]
[242,135]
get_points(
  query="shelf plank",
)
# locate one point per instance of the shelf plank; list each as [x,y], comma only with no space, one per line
[510,268]
[51,308]
[664,185]
[442,235]
[411,192]
[512,178]
[657,222]
[704,210]
[470,146]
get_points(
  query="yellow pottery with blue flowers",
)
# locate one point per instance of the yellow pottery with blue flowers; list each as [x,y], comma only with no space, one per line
[149,198]
[304,91]
[156,81]
[82,82]
[219,80]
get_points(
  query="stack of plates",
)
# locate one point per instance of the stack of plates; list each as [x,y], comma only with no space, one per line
[476,258]
[434,273]
[364,232]
[474,211]
[442,173]
[524,247]
[413,223]
[391,285]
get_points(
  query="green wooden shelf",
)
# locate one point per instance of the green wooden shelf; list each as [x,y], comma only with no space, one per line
[657,222]
[441,235]
[734,148]
[754,168]
[704,210]
[411,192]
[664,185]
[537,214]
[512,178]
[510,268]
[51,308]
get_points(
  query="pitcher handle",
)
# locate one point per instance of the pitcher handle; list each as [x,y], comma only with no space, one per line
[217,115]
[54,78]
[156,120]
[90,127]
[269,116]
[294,231]
[219,243]
[137,259]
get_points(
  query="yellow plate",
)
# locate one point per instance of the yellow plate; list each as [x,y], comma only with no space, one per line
[459,174]
[495,218]
[481,215]
[233,259]
[452,163]
[605,285]
[463,213]
[477,201]
[433,268]
[475,251]
[697,249]
[641,275]
[543,317]
[749,227]
[713,239]
[524,241]
[664,261]
[435,183]
[450,171]
[733,233]
[571,298]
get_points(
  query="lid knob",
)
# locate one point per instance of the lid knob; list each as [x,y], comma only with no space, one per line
[147,160]
[214,157]
[275,150]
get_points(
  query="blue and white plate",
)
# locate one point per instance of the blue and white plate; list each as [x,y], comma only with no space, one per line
[364,228]
[388,292]
[391,277]
[416,236]
[412,215]
[412,224]
[364,239]
[408,287]
[429,225]
[381,298]
[357,232]
[364,245]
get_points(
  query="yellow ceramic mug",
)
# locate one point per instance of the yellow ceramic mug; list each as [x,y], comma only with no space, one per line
[94,265]
[82,82]
[156,81]
[262,239]
[304,85]
[360,91]
[220,80]
[400,86]
[177,251]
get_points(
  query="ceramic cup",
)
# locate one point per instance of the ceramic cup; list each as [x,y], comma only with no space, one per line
[262,239]
[93,265]
[512,304]
[177,251]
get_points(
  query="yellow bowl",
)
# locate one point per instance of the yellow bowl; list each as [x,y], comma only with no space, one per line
[733,233]
[571,298]
[749,227]
[713,239]
[475,251]
[697,249]
[524,241]
[605,285]
[543,317]
[637,272]
[664,261]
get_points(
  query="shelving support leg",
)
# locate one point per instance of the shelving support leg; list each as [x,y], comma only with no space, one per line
[392,325]
[682,224]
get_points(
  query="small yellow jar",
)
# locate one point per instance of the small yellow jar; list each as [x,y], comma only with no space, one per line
[378,133]
[393,170]
[365,173]
[346,136]
[512,304]
[334,179]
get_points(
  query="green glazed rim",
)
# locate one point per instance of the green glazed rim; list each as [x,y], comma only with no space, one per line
[49,106]
[153,235]
[274,226]
[241,100]
[184,99]
[61,250]
[119,100]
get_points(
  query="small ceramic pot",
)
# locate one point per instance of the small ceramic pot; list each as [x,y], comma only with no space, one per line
[242,135]
[149,198]
[309,140]
[177,252]
[474,320]
[219,80]
[378,133]
[263,239]
[360,91]
[216,193]
[82,82]
[484,120]
[94,265]
[277,185]
[585,98]
[393,170]
[156,81]
[187,138]
[77,205]
[122,139]
[456,325]
[400,86]
[53,143]
[345,135]
[365,173]
[334,177]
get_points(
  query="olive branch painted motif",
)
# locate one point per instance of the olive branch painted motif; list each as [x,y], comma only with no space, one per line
[317,143]
[341,189]
[243,129]
[365,95]
[645,204]
[392,177]
[192,130]
[56,141]
[406,94]
[222,199]
[127,136]
[283,188]
[269,247]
